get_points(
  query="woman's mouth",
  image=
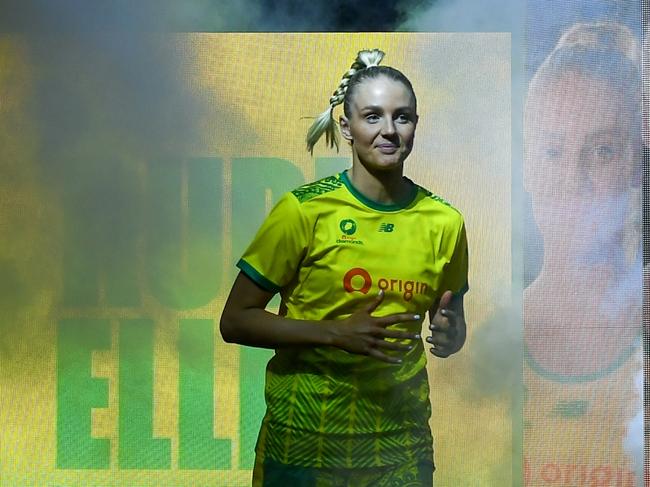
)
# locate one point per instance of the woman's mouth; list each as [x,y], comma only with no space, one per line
[388,148]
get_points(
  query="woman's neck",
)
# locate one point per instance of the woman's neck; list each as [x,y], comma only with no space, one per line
[385,187]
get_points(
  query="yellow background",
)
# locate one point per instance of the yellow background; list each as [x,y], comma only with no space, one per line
[256,90]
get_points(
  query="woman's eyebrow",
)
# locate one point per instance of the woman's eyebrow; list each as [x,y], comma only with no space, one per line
[373,107]
[379,108]
[607,132]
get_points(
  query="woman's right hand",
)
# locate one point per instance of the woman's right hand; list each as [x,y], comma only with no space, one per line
[364,334]
[245,321]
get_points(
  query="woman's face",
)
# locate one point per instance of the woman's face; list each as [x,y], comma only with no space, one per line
[382,122]
[581,158]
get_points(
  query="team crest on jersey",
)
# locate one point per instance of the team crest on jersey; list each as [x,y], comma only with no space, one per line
[348,226]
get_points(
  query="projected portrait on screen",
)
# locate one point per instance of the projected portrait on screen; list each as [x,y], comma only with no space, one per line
[582,312]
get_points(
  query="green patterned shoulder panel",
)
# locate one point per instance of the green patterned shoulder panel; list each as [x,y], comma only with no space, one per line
[437,198]
[322,186]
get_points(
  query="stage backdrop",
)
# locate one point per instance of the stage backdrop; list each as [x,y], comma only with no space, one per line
[120,230]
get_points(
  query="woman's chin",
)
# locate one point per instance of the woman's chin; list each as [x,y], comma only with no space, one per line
[379,161]
[382,168]
[590,253]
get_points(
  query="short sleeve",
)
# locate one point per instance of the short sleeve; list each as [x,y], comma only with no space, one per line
[455,271]
[273,257]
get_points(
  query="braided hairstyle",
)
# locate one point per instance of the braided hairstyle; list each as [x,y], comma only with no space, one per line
[365,66]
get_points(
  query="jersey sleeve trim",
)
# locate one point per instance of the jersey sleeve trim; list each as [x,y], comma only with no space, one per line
[257,277]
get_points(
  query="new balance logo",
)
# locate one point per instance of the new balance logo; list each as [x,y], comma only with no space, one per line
[386,227]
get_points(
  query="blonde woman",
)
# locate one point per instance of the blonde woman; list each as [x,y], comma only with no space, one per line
[582,313]
[358,258]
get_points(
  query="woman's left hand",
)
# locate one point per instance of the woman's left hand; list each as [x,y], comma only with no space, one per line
[448,328]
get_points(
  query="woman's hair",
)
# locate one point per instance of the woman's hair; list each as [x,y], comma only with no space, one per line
[609,52]
[365,66]
[606,51]
[602,51]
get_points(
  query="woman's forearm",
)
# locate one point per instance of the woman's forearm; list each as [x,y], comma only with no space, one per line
[259,328]
[245,321]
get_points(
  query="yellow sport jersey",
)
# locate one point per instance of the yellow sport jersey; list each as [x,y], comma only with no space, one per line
[328,250]
[575,427]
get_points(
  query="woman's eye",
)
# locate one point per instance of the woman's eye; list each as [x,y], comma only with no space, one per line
[551,153]
[372,118]
[403,118]
[605,152]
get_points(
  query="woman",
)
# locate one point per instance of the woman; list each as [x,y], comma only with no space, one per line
[358,259]
[582,313]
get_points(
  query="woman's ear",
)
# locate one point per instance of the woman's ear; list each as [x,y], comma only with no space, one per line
[344,124]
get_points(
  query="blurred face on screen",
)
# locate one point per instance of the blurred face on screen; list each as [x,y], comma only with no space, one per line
[580,164]
[382,122]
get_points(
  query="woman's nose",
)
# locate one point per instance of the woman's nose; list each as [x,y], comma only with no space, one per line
[573,178]
[388,127]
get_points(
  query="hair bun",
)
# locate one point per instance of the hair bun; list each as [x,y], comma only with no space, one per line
[601,36]
[369,58]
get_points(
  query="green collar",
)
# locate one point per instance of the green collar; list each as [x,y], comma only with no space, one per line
[375,205]
[573,379]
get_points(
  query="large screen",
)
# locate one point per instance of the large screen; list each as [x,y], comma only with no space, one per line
[582,302]
[131,193]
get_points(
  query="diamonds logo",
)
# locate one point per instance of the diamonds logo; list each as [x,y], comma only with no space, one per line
[348,226]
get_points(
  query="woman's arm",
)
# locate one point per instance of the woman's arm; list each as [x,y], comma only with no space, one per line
[245,321]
